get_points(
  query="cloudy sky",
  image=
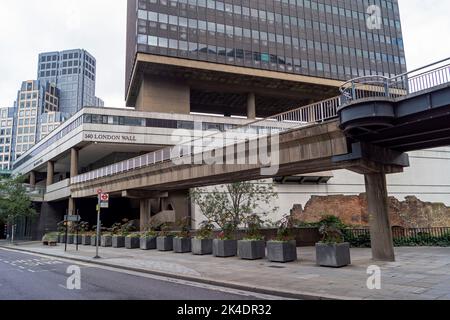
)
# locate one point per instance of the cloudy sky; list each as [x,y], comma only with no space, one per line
[33,26]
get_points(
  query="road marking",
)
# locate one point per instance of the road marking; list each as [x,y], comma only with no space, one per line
[160,278]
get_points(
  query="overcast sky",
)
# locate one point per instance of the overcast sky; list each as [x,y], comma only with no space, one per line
[33,26]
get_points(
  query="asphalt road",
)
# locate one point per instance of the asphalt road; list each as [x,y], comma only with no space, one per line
[33,277]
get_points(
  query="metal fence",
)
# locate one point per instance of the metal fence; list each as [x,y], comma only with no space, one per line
[405,233]
[418,80]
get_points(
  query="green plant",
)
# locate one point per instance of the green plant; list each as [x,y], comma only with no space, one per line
[228,232]
[254,224]
[52,236]
[15,201]
[330,227]
[166,230]
[184,225]
[205,231]
[84,227]
[150,234]
[61,227]
[284,230]
[229,206]
[134,235]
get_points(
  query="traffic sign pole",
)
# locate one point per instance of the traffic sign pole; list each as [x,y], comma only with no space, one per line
[97,240]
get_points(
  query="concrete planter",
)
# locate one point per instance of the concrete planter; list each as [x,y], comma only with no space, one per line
[106,241]
[251,249]
[202,246]
[94,241]
[333,255]
[224,248]
[148,243]
[70,239]
[118,242]
[182,245]
[86,240]
[77,239]
[62,238]
[164,243]
[132,243]
[282,251]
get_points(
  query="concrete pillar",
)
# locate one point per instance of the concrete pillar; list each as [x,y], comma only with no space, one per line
[73,162]
[72,207]
[157,94]
[251,106]
[380,227]
[50,172]
[32,178]
[145,210]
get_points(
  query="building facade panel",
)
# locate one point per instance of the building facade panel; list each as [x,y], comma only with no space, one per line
[324,38]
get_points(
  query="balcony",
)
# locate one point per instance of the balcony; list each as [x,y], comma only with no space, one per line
[58,191]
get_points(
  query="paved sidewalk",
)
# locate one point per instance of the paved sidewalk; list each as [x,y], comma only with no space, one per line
[419,273]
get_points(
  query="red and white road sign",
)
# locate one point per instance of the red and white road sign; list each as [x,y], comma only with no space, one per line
[104,197]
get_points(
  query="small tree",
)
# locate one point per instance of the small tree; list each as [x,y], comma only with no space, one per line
[231,205]
[14,200]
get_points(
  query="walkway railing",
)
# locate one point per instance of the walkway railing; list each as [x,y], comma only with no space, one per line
[303,116]
[418,80]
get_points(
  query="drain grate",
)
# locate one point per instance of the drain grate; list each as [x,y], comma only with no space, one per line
[277,267]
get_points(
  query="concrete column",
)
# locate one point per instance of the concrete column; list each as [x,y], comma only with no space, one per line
[32,178]
[73,162]
[72,207]
[145,210]
[251,106]
[50,172]
[380,227]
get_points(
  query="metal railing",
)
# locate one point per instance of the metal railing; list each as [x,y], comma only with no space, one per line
[300,117]
[414,81]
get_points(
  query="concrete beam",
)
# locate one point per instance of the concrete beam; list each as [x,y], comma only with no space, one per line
[380,227]
[143,194]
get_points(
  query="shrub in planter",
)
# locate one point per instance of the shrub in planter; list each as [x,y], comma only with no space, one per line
[70,238]
[106,240]
[332,251]
[182,242]
[148,241]
[62,238]
[94,241]
[50,239]
[253,246]
[164,242]
[86,239]
[118,241]
[202,243]
[133,241]
[77,239]
[284,247]
[225,246]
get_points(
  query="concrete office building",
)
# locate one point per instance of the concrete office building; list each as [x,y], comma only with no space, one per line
[73,72]
[253,58]
[6,137]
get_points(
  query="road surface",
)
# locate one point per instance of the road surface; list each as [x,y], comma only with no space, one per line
[33,277]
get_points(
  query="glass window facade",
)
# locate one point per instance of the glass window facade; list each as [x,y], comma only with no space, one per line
[323,38]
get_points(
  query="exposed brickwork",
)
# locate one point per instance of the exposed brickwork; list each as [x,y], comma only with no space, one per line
[410,213]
